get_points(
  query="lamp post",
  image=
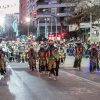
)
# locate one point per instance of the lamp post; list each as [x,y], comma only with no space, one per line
[54,14]
[28,23]
[56,24]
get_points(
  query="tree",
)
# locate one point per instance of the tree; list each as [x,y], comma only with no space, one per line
[62,20]
[81,13]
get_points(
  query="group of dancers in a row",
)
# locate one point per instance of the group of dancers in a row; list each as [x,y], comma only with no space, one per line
[49,57]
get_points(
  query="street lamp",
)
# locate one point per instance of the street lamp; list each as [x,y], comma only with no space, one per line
[28,22]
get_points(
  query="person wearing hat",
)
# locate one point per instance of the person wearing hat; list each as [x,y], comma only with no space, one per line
[93,56]
[62,53]
[53,60]
[14,46]
[78,53]
[21,49]
[31,55]
[10,51]
[42,59]
[2,62]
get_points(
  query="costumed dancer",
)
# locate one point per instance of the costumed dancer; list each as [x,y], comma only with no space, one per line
[93,56]
[22,53]
[14,50]
[32,58]
[78,53]
[63,48]
[62,54]
[42,59]
[4,46]
[10,51]
[52,60]
[2,62]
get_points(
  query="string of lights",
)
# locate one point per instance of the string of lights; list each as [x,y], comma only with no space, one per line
[7,6]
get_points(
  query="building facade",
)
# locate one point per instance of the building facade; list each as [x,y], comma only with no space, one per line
[8,30]
[22,10]
[54,12]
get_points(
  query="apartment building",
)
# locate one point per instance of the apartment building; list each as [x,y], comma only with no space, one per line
[8,30]
[52,11]
[22,10]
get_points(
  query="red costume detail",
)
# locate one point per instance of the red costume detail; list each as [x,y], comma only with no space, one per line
[77,49]
[31,45]
[42,54]
[29,53]
[93,52]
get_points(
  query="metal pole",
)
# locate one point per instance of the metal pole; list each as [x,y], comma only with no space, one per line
[51,27]
[8,33]
[90,27]
[56,22]
[28,28]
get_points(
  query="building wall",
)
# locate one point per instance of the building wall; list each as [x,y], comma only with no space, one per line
[8,30]
[22,10]
[52,7]
[16,15]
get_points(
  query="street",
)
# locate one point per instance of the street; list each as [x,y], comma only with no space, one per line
[72,84]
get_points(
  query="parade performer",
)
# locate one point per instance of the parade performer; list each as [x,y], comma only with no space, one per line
[2,62]
[52,60]
[22,53]
[62,54]
[32,58]
[3,46]
[10,51]
[14,46]
[78,53]
[93,56]
[42,59]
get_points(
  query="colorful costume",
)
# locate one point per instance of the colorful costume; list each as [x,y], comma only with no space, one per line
[2,62]
[10,52]
[78,53]
[62,54]
[42,59]
[93,56]
[32,58]
[22,52]
[14,46]
[53,60]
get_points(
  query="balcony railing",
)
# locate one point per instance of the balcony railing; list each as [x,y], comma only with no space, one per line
[41,15]
[49,24]
[54,5]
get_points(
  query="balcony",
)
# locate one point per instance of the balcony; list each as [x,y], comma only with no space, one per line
[48,15]
[49,24]
[39,6]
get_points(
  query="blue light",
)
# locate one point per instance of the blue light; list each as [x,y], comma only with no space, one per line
[49,3]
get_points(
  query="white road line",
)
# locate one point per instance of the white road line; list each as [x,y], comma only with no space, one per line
[80,78]
[77,77]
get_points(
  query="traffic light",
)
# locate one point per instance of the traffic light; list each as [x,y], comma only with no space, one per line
[35,14]
[62,34]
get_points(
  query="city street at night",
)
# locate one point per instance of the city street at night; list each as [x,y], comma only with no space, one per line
[49,49]
[72,84]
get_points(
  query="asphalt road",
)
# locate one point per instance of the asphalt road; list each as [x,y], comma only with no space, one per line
[22,84]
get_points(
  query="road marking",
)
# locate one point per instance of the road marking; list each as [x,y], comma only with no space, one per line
[8,66]
[72,75]
[80,78]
